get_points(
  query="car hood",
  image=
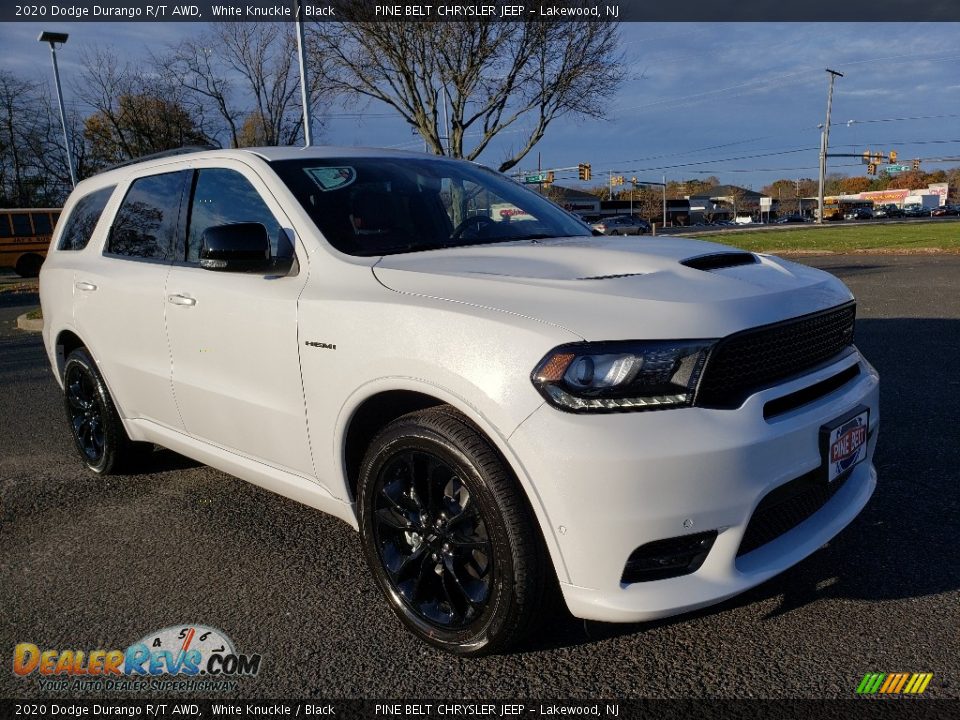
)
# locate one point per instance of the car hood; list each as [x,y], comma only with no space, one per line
[602,288]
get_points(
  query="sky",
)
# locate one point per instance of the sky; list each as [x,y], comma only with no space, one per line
[741,101]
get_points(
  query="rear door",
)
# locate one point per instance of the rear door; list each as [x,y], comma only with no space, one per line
[120,304]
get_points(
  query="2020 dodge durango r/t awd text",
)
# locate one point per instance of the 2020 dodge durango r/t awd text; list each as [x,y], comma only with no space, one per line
[500,403]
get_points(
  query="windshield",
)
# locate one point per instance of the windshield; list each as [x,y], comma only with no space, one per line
[383,206]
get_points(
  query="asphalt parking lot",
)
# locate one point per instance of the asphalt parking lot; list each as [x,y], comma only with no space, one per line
[87,562]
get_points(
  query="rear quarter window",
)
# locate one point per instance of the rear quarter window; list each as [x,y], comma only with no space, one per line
[83,219]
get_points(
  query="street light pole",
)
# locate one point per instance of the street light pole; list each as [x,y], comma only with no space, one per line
[825,144]
[304,92]
[55,38]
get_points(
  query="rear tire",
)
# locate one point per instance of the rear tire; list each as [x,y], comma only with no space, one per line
[28,266]
[449,536]
[95,425]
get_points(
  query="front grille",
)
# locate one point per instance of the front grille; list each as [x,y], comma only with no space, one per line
[748,361]
[786,507]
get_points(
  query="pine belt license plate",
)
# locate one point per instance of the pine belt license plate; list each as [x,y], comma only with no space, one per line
[844,442]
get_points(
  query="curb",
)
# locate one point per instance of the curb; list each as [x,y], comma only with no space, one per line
[28,324]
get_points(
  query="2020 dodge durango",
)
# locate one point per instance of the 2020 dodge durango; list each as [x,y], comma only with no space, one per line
[503,405]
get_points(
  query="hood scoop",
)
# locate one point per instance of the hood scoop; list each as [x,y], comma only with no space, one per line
[718,261]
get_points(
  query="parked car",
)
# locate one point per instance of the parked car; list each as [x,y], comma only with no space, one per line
[944,211]
[622,225]
[859,214]
[915,211]
[887,211]
[502,404]
[791,219]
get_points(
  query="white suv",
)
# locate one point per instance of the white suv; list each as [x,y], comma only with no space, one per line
[502,404]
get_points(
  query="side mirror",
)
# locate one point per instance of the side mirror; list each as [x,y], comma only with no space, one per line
[236,247]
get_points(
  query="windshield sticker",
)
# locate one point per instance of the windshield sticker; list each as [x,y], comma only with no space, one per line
[331,178]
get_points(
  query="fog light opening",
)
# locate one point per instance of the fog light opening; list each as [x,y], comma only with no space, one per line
[663,559]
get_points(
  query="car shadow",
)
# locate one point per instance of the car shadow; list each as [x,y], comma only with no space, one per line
[903,545]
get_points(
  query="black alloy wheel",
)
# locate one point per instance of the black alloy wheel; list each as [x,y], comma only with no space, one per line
[449,535]
[432,539]
[95,425]
[85,412]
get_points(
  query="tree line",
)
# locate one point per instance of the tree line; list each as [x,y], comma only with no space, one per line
[457,85]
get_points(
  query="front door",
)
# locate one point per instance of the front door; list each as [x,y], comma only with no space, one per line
[233,336]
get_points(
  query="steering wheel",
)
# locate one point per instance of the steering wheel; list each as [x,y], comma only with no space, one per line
[476,222]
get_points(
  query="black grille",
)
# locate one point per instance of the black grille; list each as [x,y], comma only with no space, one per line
[746,362]
[786,507]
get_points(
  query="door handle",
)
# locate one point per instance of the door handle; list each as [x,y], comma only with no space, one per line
[182,300]
[84,285]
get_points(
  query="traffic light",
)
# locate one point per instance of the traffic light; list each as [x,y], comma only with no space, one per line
[587,169]
[618,179]
[916,163]
[866,158]
[582,171]
[549,180]
[893,156]
[871,169]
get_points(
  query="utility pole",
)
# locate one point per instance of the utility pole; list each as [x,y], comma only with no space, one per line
[664,200]
[825,144]
[304,92]
[797,193]
[54,39]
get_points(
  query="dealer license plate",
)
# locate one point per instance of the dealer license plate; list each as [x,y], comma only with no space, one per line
[845,442]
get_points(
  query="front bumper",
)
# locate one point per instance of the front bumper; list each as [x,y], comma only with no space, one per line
[608,484]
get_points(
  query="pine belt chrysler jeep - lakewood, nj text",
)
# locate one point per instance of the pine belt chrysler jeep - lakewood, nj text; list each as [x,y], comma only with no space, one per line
[503,405]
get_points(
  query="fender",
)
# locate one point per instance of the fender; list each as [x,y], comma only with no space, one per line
[476,416]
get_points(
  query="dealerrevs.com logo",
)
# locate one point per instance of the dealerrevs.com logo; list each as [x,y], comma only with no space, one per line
[182,657]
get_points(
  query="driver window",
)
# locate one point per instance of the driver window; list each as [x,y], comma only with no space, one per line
[222,196]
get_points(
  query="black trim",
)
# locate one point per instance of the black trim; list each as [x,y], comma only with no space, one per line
[810,394]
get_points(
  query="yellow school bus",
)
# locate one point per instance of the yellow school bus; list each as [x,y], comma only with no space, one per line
[24,236]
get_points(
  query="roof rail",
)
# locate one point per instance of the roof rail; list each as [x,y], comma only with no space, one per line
[185,150]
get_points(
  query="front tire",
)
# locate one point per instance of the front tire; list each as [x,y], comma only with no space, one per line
[95,425]
[449,536]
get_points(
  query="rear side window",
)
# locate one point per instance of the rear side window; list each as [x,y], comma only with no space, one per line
[83,219]
[5,230]
[146,223]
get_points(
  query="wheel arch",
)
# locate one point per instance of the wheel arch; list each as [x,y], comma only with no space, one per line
[366,413]
[65,343]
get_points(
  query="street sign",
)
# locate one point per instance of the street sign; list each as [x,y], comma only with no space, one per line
[533,179]
[890,169]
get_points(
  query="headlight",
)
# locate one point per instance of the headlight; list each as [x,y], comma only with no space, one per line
[621,376]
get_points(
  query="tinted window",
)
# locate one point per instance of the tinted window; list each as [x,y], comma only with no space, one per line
[5,225]
[21,224]
[81,222]
[222,197]
[41,223]
[379,206]
[146,223]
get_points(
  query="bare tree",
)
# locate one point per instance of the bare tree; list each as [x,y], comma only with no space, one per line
[461,84]
[136,112]
[33,162]
[245,75]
